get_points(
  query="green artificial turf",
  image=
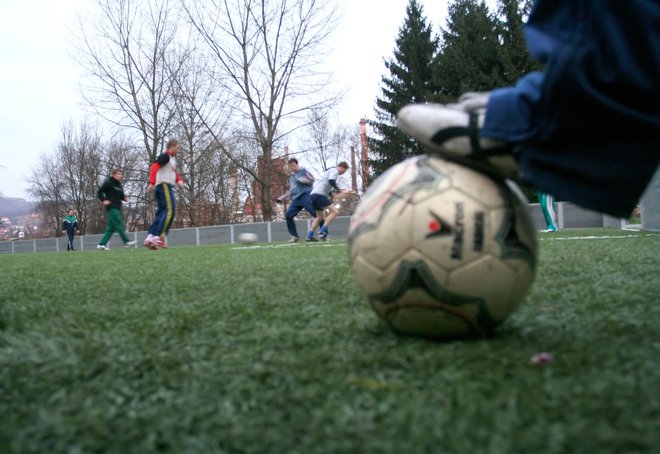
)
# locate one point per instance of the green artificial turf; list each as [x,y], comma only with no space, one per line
[270,349]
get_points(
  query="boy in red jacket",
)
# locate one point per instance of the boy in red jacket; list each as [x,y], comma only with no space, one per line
[162,178]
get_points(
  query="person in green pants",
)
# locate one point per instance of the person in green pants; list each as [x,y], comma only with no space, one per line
[547,203]
[111,194]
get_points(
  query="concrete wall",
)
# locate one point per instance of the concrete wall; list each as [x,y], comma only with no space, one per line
[571,216]
[650,204]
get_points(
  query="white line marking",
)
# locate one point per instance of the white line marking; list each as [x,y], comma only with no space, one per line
[605,237]
[279,246]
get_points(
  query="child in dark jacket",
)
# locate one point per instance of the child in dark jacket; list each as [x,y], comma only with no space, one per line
[70,227]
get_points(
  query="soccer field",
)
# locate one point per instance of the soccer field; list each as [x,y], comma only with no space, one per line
[269,348]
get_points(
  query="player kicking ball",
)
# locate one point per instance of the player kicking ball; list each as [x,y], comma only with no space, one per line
[321,201]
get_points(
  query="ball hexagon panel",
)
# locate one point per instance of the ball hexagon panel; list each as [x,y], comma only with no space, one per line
[489,279]
[368,277]
[383,243]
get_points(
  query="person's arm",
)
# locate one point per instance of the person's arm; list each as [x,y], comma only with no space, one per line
[332,179]
[100,193]
[152,174]
[160,161]
[284,197]
[304,177]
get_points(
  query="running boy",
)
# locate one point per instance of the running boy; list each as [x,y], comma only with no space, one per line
[162,178]
[321,200]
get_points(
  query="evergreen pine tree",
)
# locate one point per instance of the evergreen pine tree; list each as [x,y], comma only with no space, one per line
[515,57]
[516,60]
[470,54]
[409,81]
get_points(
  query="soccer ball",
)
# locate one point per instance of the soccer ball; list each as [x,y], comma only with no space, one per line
[439,250]
[248,238]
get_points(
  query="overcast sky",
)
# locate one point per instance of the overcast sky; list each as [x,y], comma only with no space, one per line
[39,81]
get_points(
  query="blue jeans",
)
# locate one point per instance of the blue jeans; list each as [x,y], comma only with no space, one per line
[69,244]
[297,205]
[587,127]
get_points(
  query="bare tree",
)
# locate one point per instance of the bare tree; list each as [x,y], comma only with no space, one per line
[128,51]
[68,179]
[327,144]
[46,187]
[200,118]
[266,52]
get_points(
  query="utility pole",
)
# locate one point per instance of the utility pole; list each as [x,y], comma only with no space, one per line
[364,155]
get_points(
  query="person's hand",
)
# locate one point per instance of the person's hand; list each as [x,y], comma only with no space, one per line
[77,231]
[151,187]
[180,183]
[106,203]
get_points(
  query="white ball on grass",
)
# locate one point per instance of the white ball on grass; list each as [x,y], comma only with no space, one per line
[248,238]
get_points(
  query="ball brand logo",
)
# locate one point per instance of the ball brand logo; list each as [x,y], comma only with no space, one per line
[457,247]
[439,227]
[479,222]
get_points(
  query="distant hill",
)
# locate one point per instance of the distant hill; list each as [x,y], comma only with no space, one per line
[13,206]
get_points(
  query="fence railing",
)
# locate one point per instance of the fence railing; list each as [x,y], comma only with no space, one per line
[568,216]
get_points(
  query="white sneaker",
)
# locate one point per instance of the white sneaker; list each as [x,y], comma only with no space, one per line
[130,244]
[158,242]
[102,247]
[452,131]
[293,239]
